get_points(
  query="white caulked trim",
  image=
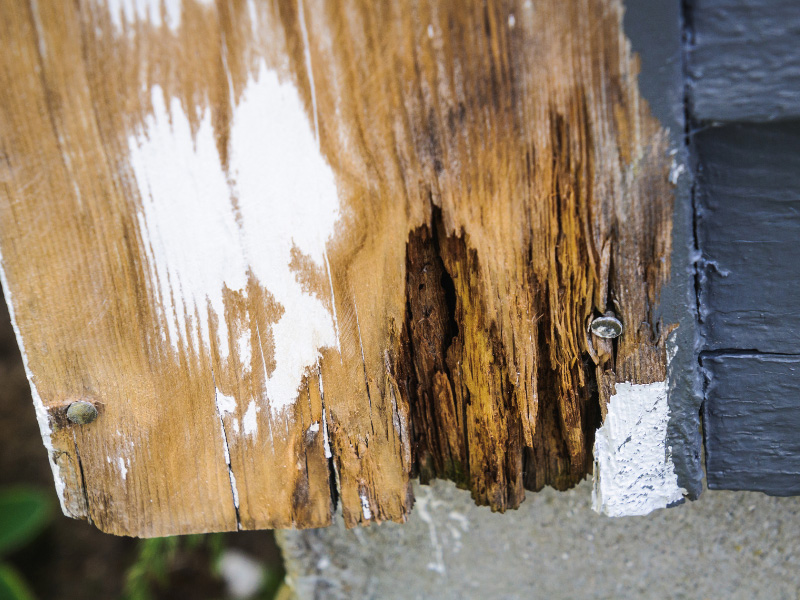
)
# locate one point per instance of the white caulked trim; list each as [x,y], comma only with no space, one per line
[633,470]
[41,412]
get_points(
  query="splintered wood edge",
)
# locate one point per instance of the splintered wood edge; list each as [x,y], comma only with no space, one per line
[460,206]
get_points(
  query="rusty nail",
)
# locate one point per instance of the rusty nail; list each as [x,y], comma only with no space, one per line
[608,326]
[81,413]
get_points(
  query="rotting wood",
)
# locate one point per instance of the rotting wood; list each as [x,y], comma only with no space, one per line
[302,251]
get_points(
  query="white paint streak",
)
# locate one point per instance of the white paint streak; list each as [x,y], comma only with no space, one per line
[460,519]
[325,441]
[457,532]
[675,172]
[225,404]
[245,349]
[130,11]
[365,507]
[423,500]
[123,470]
[234,489]
[301,17]
[226,451]
[41,412]
[287,197]
[633,473]
[250,420]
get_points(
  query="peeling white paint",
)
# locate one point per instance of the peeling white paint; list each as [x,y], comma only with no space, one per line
[130,11]
[365,507]
[244,348]
[675,171]
[41,412]
[325,441]
[250,421]
[225,404]
[286,197]
[225,449]
[234,489]
[633,470]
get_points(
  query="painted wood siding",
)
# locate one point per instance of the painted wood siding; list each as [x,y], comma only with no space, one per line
[744,99]
[744,59]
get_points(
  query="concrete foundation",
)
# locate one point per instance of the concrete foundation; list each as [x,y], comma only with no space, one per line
[725,545]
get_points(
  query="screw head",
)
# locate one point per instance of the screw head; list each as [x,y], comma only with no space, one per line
[81,412]
[608,326]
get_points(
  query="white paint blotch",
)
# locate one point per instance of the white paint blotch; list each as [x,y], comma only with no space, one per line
[314,428]
[287,197]
[325,441]
[123,470]
[365,507]
[245,349]
[130,11]
[250,420]
[225,404]
[675,171]
[633,472]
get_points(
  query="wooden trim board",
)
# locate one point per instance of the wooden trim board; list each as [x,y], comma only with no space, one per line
[300,252]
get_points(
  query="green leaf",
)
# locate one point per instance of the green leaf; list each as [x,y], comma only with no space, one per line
[23,514]
[12,586]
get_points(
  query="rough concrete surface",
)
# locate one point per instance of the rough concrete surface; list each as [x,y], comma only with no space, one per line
[726,545]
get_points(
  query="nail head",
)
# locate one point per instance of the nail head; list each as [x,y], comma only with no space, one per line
[81,413]
[607,327]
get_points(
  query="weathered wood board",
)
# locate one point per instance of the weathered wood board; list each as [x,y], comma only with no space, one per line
[752,414]
[297,253]
[743,59]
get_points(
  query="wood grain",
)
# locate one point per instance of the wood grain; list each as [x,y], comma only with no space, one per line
[170,249]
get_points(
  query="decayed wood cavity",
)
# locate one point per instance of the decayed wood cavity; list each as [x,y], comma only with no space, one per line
[307,249]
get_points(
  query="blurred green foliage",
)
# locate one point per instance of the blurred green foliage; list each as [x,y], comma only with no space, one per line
[24,512]
[157,558]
